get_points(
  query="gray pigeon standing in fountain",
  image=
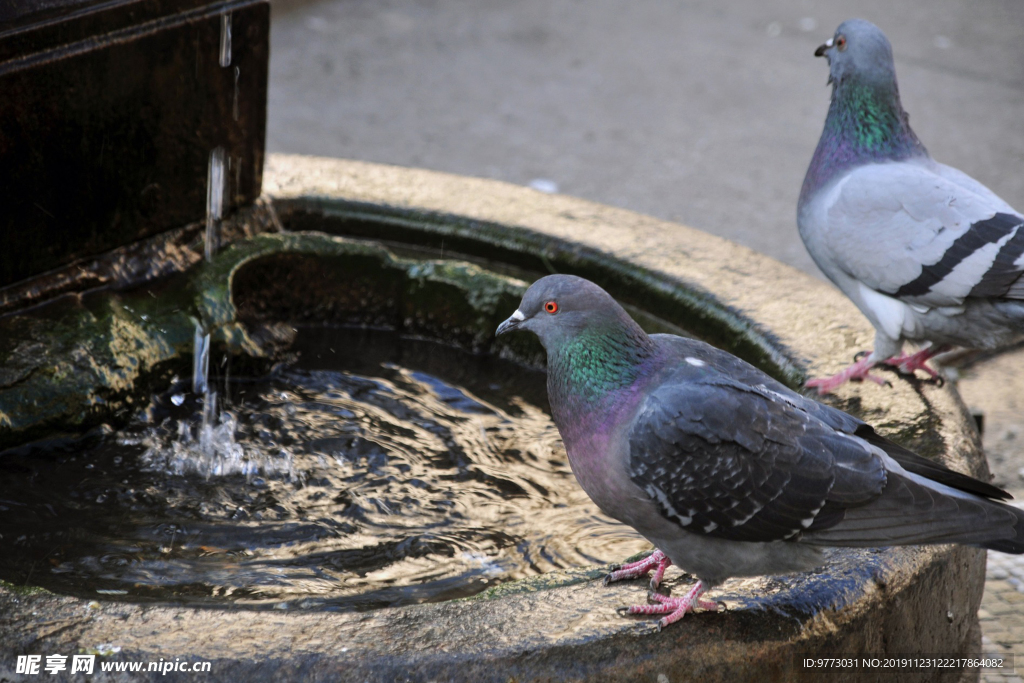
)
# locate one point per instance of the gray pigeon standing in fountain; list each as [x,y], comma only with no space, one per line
[726,471]
[926,252]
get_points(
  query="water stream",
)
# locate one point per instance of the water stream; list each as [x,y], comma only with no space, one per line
[208,458]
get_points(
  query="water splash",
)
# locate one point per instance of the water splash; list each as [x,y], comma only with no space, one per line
[210,448]
[208,429]
[212,451]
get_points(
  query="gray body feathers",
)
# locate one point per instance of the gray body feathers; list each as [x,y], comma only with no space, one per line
[763,476]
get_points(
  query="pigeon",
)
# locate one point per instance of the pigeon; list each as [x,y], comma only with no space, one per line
[726,471]
[926,252]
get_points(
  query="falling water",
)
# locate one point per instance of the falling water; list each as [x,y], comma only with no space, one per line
[213,441]
[201,361]
[200,387]
[210,435]
[214,201]
[225,39]
[214,213]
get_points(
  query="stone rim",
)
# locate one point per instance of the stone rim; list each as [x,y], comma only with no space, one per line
[594,643]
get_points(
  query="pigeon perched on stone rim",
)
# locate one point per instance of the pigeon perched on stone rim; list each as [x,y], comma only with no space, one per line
[927,253]
[725,470]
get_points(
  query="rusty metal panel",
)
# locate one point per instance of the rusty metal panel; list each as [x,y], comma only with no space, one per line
[106,137]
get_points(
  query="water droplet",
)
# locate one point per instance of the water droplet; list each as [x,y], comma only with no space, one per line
[774,29]
[808,24]
[178,399]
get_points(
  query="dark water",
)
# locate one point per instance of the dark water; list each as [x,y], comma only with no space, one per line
[372,471]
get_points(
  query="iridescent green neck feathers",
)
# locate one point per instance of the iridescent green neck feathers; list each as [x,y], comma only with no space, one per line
[866,123]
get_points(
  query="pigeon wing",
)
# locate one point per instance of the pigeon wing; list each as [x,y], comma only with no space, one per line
[728,365]
[923,233]
[726,460]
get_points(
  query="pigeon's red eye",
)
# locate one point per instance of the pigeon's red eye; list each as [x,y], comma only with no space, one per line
[551,307]
[841,43]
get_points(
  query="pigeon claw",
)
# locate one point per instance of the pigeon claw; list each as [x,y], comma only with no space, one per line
[859,371]
[674,608]
[657,561]
[908,363]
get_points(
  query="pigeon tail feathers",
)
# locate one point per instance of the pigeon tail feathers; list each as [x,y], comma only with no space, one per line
[914,510]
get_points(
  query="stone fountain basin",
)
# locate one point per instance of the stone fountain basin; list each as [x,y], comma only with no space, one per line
[562,625]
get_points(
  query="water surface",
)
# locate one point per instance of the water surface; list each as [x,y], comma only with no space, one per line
[371,471]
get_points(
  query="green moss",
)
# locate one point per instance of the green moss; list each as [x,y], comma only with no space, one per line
[555,579]
[695,309]
[85,360]
[22,590]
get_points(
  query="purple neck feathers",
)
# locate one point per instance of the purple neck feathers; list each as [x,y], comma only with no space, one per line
[866,123]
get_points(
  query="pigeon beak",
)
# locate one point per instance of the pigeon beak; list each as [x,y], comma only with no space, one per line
[820,52]
[510,324]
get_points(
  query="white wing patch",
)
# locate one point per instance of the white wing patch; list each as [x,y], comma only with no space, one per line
[737,522]
[814,513]
[666,505]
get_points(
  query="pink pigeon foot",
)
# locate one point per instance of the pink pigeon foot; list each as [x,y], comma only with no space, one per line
[909,362]
[858,371]
[675,608]
[657,560]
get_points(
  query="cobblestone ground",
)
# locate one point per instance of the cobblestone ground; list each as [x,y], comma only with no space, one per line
[1002,612]
[992,388]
